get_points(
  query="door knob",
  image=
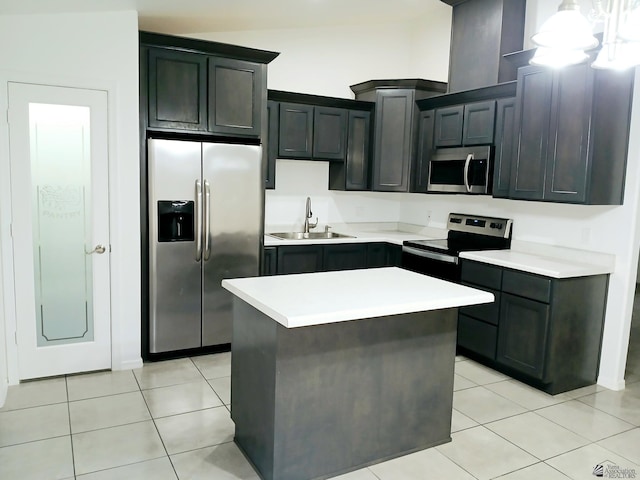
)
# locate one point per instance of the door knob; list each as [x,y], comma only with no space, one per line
[99,249]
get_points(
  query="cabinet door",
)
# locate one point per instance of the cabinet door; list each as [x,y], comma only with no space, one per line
[393,134]
[479,122]
[299,259]
[269,261]
[273,111]
[533,113]
[295,133]
[522,335]
[347,256]
[377,255]
[568,151]
[505,136]
[449,126]
[177,90]
[358,141]
[426,122]
[477,336]
[236,97]
[329,133]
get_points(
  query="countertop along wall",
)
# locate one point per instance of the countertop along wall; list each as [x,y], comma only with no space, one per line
[327,61]
[100,51]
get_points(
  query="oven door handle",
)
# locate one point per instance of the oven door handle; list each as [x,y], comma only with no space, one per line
[466,172]
[429,254]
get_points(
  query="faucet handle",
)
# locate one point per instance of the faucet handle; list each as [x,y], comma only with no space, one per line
[327,228]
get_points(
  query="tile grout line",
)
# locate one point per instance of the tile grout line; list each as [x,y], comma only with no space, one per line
[144,399]
[73,457]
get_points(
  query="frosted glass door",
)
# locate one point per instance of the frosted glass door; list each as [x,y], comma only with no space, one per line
[61,217]
[60,224]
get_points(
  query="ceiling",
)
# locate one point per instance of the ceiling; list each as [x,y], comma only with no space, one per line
[195,16]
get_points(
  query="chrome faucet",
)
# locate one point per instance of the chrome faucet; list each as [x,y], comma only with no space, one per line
[308,214]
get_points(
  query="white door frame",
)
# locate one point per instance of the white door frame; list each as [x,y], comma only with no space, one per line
[6,246]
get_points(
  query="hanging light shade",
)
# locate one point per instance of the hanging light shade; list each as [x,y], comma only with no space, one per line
[557,57]
[567,29]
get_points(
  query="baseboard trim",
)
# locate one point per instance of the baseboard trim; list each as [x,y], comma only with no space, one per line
[611,384]
[4,386]
[128,364]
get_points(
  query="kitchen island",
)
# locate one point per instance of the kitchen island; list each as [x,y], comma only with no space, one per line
[334,371]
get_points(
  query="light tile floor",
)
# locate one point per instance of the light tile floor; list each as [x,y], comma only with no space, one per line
[170,420]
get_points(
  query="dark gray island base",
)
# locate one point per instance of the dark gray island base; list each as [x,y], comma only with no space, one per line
[317,401]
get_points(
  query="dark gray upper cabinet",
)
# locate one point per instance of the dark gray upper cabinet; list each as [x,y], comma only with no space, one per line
[482,32]
[271,150]
[505,135]
[425,147]
[463,125]
[207,87]
[354,173]
[236,92]
[449,126]
[478,124]
[329,133]
[295,131]
[395,128]
[177,90]
[393,146]
[573,132]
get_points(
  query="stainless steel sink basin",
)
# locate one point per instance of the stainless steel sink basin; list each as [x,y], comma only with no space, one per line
[308,236]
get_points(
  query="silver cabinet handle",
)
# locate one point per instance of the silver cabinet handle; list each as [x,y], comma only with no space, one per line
[198,220]
[466,172]
[99,249]
[207,220]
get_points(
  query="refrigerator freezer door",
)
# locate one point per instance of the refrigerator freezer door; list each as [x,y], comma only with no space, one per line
[234,208]
[175,281]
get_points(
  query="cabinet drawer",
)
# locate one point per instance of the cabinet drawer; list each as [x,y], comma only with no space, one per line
[477,336]
[527,285]
[481,274]
[489,312]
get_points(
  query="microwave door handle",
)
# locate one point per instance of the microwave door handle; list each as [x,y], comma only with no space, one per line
[466,172]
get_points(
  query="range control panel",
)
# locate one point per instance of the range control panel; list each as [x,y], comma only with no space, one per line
[495,227]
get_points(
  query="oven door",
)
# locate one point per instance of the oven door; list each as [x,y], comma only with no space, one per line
[460,170]
[434,264]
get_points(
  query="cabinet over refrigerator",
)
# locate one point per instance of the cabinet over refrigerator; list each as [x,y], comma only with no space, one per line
[205,225]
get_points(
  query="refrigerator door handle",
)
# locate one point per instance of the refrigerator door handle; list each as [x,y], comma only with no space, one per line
[207,221]
[198,221]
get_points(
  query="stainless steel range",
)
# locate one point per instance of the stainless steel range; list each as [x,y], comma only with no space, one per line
[440,258]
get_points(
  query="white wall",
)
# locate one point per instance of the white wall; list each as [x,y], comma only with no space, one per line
[90,51]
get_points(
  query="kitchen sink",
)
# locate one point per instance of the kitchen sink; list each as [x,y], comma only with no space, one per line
[308,236]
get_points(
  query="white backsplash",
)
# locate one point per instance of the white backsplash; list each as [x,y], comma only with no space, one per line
[298,179]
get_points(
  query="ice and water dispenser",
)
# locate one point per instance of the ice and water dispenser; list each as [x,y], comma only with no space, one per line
[175,221]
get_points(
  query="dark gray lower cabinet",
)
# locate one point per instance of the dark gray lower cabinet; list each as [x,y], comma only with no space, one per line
[524,327]
[299,259]
[347,256]
[269,261]
[287,259]
[543,331]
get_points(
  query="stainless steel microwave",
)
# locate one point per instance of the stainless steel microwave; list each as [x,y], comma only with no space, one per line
[461,170]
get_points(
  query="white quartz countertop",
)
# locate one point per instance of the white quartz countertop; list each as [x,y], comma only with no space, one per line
[328,297]
[542,264]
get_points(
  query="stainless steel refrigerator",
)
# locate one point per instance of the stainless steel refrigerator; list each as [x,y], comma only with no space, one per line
[206,208]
